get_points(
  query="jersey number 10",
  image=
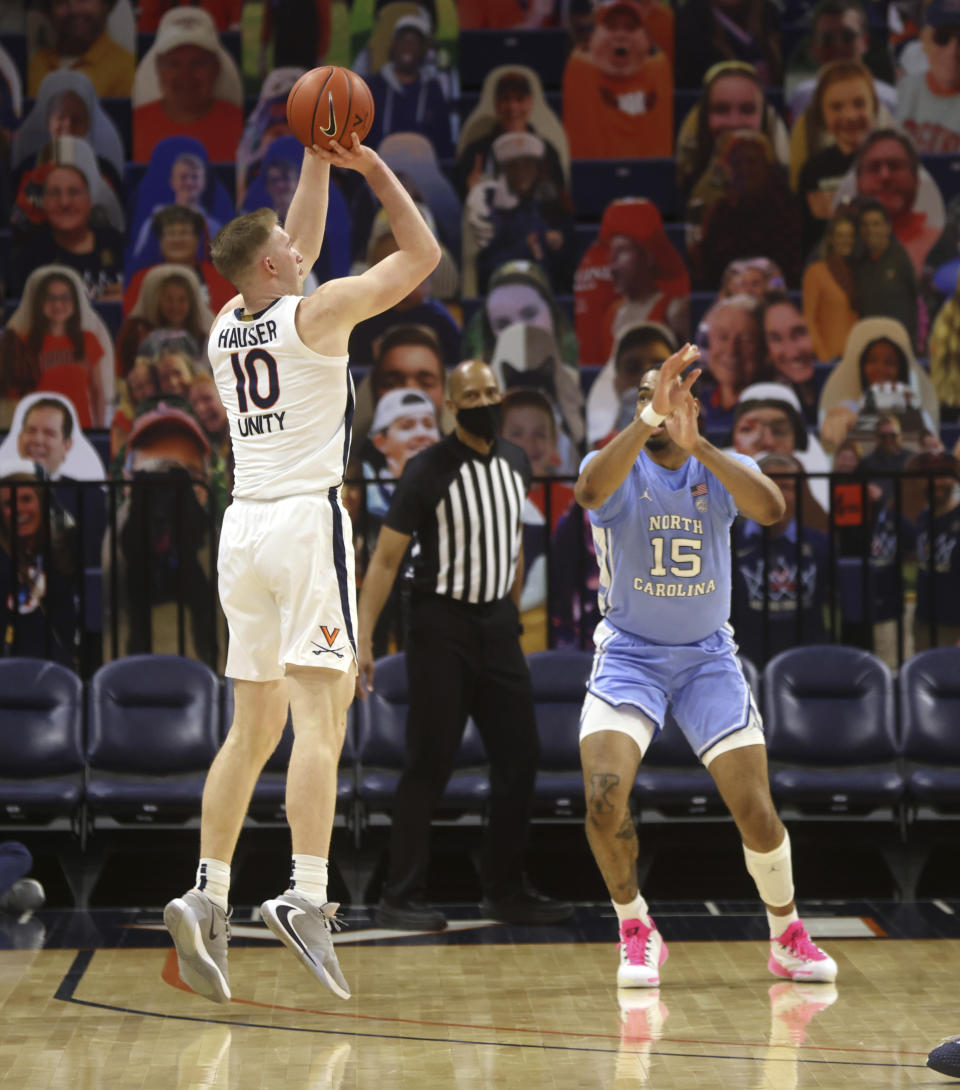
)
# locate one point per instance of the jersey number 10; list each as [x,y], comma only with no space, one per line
[248,379]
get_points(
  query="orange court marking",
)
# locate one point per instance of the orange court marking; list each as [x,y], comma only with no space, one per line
[171,976]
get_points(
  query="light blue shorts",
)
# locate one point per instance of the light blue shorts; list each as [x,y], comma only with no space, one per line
[702,683]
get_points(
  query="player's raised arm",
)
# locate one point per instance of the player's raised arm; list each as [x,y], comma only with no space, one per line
[604,474]
[755,495]
[393,278]
[307,215]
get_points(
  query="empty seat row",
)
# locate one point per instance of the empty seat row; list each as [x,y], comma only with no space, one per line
[133,746]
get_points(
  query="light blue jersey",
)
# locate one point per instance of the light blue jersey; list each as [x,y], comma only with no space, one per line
[663,548]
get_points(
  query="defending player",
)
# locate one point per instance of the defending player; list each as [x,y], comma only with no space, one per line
[286,556]
[661,500]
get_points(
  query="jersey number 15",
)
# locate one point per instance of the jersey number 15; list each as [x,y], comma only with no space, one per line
[685,557]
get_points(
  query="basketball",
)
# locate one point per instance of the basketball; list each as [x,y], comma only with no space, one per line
[329,103]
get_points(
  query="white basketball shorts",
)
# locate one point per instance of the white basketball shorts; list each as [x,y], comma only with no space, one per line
[287,585]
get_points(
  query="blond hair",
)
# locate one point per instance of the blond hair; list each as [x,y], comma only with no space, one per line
[237,243]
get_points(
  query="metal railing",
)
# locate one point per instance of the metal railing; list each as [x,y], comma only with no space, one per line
[105,557]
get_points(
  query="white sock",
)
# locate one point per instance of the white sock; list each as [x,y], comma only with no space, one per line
[308,877]
[779,924]
[213,880]
[635,910]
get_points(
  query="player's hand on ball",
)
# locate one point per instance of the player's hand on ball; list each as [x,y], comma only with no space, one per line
[672,390]
[358,157]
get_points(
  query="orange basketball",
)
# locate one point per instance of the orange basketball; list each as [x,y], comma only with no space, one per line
[329,103]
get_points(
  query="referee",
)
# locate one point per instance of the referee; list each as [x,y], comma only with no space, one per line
[463,500]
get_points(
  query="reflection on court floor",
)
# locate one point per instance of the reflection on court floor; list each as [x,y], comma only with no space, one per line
[485,1006]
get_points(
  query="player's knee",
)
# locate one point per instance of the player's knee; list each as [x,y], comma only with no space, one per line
[757,818]
[605,813]
[607,786]
[256,740]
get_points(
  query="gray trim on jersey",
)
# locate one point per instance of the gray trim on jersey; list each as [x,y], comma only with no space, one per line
[603,547]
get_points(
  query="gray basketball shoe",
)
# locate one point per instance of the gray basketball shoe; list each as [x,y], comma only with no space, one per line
[200,932]
[305,929]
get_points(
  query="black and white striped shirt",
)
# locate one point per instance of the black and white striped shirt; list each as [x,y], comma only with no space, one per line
[465,510]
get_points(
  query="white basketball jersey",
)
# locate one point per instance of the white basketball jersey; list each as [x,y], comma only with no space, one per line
[290,409]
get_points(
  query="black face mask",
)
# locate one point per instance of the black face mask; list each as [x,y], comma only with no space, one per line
[483,421]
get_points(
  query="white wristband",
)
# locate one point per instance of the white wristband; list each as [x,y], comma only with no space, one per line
[650,416]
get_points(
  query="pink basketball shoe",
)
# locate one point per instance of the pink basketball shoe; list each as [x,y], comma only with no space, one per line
[642,952]
[795,956]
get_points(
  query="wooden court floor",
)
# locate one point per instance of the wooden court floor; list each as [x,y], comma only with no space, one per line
[481,1007]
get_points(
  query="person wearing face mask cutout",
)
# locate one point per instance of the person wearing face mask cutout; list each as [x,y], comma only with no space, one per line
[463,652]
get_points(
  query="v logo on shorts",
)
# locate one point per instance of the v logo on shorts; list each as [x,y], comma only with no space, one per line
[330,635]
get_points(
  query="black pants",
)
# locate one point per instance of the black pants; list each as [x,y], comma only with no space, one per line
[464,660]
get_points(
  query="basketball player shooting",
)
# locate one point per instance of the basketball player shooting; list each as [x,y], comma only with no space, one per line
[286,567]
[661,500]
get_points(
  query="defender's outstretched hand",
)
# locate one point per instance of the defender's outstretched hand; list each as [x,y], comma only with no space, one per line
[672,390]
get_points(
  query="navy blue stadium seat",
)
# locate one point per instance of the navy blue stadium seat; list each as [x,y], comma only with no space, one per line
[720,437]
[100,439]
[588,375]
[671,780]
[269,795]
[559,681]
[929,685]
[677,233]
[111,311]
[545,51]
[597,182]
[950,434]
[584,235]
[121,114]
[153,729]
[380,747]
[469,305]
[41,743]
[700,303]
[945,170]
[16,45]
[831,731]
[6,246]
